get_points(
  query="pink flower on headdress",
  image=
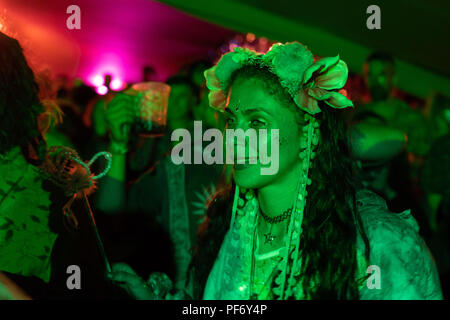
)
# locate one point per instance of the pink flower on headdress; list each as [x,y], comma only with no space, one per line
[216,96]
[217,77]
[324,75]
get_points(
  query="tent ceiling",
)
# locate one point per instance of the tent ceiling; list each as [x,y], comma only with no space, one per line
[116,36]
[414,31]
[129,34]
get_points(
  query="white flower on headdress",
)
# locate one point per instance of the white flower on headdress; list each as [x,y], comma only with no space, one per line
[289,62]
[243,55]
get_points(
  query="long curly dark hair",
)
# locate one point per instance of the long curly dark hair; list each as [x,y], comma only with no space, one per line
[330,224]
[19,102]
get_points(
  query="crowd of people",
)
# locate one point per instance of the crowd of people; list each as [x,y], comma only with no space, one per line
[356,187]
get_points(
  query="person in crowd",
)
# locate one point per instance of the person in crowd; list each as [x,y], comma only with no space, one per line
[149,74]
[35,246]
[391,178]
[26,239]
[52,119]
[379,76]
[174,194]
[305,232]
[202,112]
[94,123]
[435,181]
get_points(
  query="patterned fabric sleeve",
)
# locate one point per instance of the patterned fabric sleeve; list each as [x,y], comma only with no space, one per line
[178,221]
[26,240]
[406,266]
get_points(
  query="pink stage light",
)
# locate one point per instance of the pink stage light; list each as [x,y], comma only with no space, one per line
[102,90]
[97,80]
[116,84]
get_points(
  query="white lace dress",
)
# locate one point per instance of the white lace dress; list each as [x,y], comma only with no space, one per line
[407,269]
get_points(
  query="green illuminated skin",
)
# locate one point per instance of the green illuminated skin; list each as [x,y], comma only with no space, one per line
[181,99]
[393,113]
[251,106]
[118,113]
[394,239]
[210,117]
[98,119]
[202,111]
[379,77]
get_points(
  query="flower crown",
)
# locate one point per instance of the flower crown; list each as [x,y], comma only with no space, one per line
[305,80]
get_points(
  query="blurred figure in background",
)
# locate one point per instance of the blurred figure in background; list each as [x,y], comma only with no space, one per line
[35,248]
[63,101]
[174,195]
[435,181]
[202,112]
[52,117]
[94,121]
[148,74]
[391,178]
[196,71]
[437,111]
[24,204]
[436,172]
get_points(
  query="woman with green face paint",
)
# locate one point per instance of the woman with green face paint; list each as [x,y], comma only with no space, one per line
[307,231]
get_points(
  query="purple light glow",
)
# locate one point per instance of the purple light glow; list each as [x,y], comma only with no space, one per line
[116,37]
[107,63]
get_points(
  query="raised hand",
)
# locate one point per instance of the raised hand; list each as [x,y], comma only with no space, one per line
[120,114]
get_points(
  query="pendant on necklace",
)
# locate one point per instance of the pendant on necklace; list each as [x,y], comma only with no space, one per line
[269,238]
